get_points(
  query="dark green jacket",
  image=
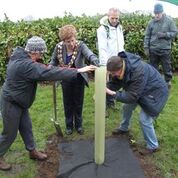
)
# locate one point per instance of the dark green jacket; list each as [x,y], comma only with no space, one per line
[165,25]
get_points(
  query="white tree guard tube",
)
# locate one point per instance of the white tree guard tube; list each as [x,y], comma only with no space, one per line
[100,105]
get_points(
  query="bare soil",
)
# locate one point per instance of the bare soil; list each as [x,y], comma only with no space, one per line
[49,168]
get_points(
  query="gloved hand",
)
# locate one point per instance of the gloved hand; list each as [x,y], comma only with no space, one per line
[147,53]
[161,35]
[96,63]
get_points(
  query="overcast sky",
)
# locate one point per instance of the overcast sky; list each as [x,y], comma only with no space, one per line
[18,9]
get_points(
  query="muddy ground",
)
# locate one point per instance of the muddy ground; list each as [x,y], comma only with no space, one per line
[49,168]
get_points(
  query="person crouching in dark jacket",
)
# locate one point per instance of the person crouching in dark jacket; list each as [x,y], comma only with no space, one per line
[142,85]
[18,94]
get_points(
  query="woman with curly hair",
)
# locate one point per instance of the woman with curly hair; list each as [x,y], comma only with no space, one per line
[72,53]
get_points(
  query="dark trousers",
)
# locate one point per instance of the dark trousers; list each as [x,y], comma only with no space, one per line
[162,57]
[15,119]
[109,101]
[73,96]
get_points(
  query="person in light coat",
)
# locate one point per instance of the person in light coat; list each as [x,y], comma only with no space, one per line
[110,36]
[110,41]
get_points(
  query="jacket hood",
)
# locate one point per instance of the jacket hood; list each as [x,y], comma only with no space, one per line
[130,60]
[19,53]
[128,55]
[104,21]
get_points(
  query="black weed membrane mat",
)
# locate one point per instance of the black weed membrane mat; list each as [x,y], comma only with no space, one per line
[77,160]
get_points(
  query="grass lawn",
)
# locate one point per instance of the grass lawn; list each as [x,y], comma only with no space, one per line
[42,111]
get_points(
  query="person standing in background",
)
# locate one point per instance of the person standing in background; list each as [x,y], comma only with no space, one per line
[160,32]
[110,41]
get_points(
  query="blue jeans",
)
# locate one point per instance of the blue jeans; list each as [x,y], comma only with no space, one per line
[146,123]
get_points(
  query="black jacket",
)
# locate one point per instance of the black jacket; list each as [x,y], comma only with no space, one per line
[23,74]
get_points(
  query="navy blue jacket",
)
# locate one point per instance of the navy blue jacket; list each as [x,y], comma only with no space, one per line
[23,74]
[142,84]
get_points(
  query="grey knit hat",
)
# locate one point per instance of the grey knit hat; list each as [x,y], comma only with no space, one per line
[36,44]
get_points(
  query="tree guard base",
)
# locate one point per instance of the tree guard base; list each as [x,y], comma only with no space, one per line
[77,160]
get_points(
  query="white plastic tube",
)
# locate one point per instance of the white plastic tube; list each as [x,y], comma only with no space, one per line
[100,104]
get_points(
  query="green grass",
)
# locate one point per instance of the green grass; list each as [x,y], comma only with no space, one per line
[42,112]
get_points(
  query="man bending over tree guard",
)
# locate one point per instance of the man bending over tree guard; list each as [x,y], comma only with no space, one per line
[142,85]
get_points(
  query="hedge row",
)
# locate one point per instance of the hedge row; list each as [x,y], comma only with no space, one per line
[16,34]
